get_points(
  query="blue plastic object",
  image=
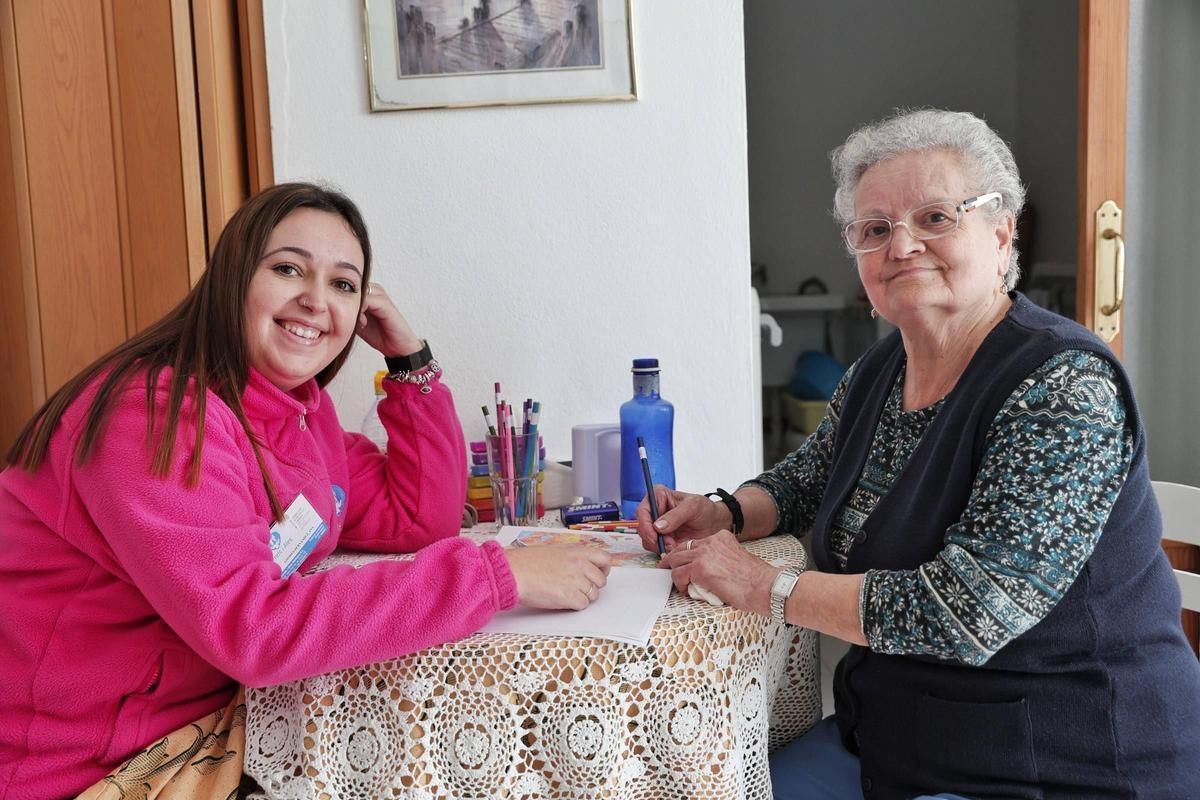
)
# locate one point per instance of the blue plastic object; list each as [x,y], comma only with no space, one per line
[651,417]
[815,376]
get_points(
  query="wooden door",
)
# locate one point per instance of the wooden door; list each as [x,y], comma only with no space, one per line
[1103,77]
[1103,81]
[118,164]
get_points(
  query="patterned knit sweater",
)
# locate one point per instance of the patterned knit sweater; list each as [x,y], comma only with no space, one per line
[1061,437]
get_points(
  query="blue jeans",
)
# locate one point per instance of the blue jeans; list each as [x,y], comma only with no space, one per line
[817,767]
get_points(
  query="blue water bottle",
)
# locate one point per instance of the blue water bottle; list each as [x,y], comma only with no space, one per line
[651,417]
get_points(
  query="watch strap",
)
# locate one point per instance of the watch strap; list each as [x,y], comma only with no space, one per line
[410,362]
[735,509]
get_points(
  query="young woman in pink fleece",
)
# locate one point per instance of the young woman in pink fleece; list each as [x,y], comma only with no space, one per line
[155,513]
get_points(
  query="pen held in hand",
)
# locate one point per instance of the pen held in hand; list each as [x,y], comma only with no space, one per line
[662,545]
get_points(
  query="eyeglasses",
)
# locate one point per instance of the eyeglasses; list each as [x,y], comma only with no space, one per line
[927,222]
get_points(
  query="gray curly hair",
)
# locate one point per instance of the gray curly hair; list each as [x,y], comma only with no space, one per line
[987,158]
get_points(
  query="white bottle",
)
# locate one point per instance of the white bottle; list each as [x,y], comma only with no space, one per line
[372,426]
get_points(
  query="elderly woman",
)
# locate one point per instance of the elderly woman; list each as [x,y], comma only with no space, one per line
[981,513]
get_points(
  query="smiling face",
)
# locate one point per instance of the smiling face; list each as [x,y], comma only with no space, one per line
[947,275]
[303,300]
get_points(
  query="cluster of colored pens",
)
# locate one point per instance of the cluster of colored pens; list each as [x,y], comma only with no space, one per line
[516,459]
[479,484]
[615,526]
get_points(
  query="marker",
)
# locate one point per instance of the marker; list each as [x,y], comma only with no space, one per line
[662,545]
[499,403]
[487,418]
[531,443]
[507,435]
[529,468]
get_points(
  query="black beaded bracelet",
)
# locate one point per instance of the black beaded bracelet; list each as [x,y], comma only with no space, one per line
[735,509]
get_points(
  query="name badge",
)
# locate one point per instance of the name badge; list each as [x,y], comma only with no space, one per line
[293,539]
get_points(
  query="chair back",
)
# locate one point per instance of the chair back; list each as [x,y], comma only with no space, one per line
[1180,506]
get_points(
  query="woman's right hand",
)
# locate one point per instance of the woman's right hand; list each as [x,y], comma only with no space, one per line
[681,516]
[558,576]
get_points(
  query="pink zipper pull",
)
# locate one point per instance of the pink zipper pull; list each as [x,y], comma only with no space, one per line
[303,423]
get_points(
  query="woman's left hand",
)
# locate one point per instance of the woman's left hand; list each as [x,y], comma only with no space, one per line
[381,325]
[720,565]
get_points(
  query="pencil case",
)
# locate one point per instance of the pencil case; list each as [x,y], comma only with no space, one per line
[590,512]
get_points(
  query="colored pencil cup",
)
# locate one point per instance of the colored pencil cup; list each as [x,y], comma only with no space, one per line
[522,509]
[513,465]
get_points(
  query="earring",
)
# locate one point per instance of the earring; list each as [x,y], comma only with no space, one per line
[874,313]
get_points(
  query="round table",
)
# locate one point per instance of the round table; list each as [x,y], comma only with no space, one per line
[693,714]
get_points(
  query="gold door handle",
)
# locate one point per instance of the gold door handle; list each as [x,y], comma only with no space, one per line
[1108,264]
[1118,275]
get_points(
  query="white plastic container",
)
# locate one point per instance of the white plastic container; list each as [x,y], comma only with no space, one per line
[596,462]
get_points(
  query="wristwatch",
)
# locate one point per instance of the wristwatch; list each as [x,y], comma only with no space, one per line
[410,362]
[781,590]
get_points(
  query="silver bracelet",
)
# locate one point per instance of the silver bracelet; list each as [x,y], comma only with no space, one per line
[421,377]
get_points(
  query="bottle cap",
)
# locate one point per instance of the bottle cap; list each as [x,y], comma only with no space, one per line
[643,365]
[379,376]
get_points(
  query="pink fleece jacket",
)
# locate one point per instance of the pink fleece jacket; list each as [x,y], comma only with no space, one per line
[131,605]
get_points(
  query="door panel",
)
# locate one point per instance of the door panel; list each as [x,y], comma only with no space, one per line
[19,357]
[152,162]
[72,183]
[102,195]
[1103,68]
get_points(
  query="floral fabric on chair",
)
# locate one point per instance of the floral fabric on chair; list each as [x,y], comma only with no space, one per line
[202,761]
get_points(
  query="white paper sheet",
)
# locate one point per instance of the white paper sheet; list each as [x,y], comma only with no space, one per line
[626,609]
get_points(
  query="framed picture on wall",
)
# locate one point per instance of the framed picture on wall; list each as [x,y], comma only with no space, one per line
[463,53]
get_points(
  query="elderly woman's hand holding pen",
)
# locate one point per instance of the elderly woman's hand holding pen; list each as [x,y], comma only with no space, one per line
[682,516]
[703,552]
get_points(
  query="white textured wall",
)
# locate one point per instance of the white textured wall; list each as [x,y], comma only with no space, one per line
[1162,257]
[546,246]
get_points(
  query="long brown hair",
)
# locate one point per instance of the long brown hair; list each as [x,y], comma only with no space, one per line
[202,340]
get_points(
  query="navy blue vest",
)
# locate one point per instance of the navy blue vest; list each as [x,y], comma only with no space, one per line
[1099,699]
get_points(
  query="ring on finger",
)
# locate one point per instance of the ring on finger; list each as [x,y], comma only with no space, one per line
[371,287]
[688,546]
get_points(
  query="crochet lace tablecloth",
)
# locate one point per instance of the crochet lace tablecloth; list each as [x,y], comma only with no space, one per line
[691,715]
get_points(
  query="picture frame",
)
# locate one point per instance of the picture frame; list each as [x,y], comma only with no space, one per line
[423,54]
